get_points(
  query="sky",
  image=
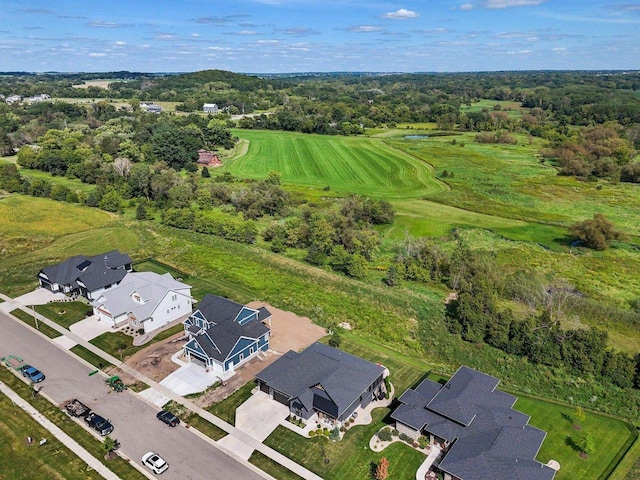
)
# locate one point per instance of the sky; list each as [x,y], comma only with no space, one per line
[281,36]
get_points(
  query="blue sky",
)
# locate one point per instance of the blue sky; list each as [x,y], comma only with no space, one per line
[270,36]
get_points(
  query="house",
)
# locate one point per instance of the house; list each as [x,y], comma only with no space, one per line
[150,107]
[322,381]
[38,98]
[144,300]
[11,99]
[208,159]
[224,334]
[210,108]
[86,276]
[482,436]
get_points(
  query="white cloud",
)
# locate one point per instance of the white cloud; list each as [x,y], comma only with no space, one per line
[500,4]
[120,43]
[401,14]
[467,6]
[97,54]
[364,29]
[195,34]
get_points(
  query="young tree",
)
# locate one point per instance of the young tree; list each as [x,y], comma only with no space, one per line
[382,472]
[586,444]
[109,445]
[141,212]
[578,416]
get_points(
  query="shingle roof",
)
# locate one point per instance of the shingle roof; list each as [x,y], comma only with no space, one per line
[94,272]
[219,340]
[342,376]
[490,438]
[151,287]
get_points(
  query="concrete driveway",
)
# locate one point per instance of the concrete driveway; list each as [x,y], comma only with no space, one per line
[258,417]
[90,328]
[40,296]
[189,378]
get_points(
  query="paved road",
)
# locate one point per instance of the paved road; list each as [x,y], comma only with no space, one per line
[134,420]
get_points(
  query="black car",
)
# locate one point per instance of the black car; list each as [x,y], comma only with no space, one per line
[99,424]
[168,418]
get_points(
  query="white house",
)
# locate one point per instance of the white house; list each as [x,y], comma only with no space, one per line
[144,300]
[210,108]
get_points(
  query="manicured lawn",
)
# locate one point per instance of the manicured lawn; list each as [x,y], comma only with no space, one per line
[226,409]
[119,466]
[274,469]
[193,419]
[23,460]
[611,437]
[31,321]
[65,313]
[351,458]
[90,357]
[117,344]
[347,164]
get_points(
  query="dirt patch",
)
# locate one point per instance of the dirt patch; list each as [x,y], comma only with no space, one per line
[289,331]
[154,361]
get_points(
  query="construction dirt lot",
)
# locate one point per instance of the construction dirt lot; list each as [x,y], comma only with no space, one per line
[288,332]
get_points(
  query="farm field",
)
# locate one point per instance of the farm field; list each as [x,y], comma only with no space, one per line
[346,164]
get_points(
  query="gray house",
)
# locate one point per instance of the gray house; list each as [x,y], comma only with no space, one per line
[224,334]
[86,276]
[482,436]
[322,380]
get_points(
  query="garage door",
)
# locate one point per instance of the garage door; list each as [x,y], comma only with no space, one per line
[280,397]
[264,387]
[198,359]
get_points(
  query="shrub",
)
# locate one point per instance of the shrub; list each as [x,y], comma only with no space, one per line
[395,432]
[385,435]
[312,433]
[325,432]
[406,438]
[423,442]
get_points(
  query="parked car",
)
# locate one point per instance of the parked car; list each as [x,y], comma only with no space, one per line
[32,373]
[155,462]
[168,418]
[99,424]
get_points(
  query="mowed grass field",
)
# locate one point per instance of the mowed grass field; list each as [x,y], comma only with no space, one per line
[347,164]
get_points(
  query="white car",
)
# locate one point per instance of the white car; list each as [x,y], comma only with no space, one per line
[155,462]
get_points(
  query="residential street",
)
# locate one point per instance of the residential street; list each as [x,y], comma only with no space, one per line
[136,426]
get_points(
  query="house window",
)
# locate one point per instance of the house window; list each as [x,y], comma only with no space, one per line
[241,356]
[174,298]
[251,350]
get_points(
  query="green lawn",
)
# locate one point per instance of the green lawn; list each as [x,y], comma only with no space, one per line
[612,437]
[90,357]
[31,321]
[274,469]
[117,344]
[73,184]
[351,458]
[347,164]
[31,461]
[226,409]
[65,314]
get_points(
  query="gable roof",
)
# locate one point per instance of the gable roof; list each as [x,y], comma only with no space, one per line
[218,340]
[490,438]
[151,289]
[93,272]
[341,376]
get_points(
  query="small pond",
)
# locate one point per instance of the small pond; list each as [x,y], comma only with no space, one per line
[414,137]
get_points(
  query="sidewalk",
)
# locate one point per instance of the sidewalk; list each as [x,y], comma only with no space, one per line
[161,389]
[59,434]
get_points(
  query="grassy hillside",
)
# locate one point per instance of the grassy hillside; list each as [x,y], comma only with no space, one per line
[345,164]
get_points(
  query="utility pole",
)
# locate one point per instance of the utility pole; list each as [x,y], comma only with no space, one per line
[33,309]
